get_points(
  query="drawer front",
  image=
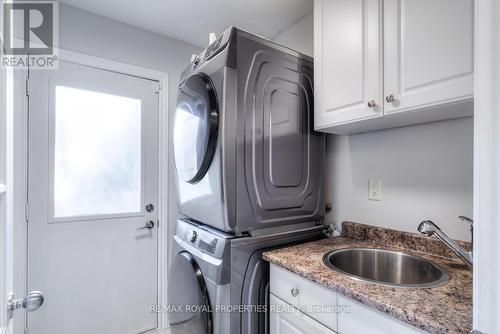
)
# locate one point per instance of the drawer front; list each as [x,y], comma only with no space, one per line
[314,300]
[285,319]
[362,319]
[282,282]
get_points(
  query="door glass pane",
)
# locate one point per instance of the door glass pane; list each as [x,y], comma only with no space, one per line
[97,167]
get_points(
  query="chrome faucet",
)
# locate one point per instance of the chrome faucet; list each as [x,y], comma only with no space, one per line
[428,228]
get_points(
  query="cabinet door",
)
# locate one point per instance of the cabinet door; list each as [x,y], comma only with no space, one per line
[347,61]
[428,52]
[312,299]
[285,319]
[359,318]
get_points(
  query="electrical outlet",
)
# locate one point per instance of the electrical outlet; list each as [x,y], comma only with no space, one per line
[375,190]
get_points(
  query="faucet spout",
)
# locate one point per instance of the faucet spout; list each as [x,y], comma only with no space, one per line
[428,228]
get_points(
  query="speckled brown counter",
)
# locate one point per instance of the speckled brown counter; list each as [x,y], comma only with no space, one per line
[445,309]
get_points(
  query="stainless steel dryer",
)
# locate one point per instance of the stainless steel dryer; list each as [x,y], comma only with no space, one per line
[245,151]
[218,283]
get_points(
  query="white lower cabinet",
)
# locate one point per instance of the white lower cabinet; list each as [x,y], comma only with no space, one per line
[312,299]
[361,319]
[298,305]
[285,319]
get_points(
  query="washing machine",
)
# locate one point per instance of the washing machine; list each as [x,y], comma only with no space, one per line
[218,282]
[246,154]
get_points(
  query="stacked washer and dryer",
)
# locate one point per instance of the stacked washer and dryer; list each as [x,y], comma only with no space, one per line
[250,171]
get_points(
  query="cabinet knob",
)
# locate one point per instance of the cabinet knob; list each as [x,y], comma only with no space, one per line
[389,98]
[294,292]
[372,104]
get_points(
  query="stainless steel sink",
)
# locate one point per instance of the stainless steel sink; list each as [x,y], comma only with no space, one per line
[385,267]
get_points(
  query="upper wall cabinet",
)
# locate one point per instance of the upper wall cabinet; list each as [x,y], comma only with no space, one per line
[428,52]
[347,61]
[389,63]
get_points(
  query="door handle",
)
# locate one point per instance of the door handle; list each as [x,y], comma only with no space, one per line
[149,225]
[31,302]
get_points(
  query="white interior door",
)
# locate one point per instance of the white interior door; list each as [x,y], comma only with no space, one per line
[93,137]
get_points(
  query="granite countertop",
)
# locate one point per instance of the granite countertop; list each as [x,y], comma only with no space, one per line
[445,309]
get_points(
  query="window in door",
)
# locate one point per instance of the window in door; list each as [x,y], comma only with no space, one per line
[97,154]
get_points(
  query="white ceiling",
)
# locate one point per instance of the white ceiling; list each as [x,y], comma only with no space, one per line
[192,20]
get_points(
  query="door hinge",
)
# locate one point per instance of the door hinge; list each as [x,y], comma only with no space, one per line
[157,87]
[26,211]
[27,86]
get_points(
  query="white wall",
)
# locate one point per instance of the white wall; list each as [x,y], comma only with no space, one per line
[299,36]
[426,169]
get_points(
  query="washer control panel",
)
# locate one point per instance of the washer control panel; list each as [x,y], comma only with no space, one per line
[192,236]
[204,238]
[208,247]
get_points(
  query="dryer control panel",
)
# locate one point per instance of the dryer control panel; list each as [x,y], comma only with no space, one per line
[213,47]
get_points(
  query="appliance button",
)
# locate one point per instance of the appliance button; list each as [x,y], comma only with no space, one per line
[192,236]
[196,61]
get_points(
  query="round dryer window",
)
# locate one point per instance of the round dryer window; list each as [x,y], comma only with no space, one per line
[195,127]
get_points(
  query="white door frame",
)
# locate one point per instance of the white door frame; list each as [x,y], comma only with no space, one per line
[486,300]
[18,165]
[3,191]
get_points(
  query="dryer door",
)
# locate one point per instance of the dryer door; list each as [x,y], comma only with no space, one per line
[189,305]
[195,127]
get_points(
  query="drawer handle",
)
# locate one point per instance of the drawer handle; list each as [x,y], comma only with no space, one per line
[294,292]
[372,104]
[389,98]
